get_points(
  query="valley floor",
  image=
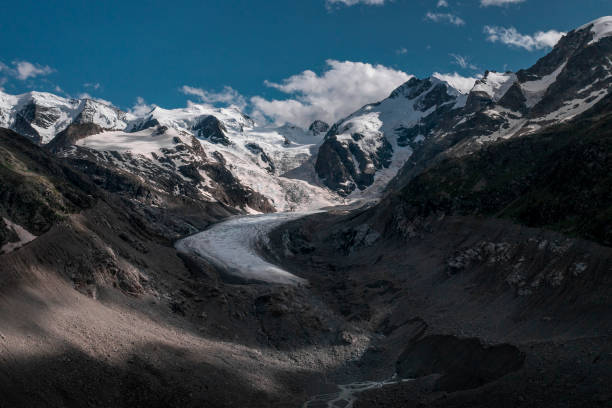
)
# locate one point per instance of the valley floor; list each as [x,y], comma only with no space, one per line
[365,310]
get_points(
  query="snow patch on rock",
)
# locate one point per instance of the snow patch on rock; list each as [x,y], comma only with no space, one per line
[23,235]
[534,91]
[495,84]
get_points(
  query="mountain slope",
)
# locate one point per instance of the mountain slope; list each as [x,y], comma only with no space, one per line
[559,178]
[373,143]
[37,192]
[425,120]
[100,310]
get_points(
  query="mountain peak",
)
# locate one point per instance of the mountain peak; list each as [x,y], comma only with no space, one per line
[601,28]
[318,127]
[461,84]
[495,84]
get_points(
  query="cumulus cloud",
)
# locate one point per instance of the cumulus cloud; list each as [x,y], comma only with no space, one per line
[444,17]
[141,108]
[343,88]
[510,36]
[354,2]
[442,3]
[459,82]
[23,70]
[487,3]
[27,70]
[463,62]
[228,96]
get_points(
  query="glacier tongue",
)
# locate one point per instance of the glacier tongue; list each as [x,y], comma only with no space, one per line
[232,246]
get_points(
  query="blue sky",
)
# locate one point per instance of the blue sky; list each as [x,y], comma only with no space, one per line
[122,50]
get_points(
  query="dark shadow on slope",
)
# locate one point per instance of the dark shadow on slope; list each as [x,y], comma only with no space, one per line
[154,376]
[463,363]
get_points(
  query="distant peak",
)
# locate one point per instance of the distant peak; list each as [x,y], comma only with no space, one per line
[318,126]
[460,83]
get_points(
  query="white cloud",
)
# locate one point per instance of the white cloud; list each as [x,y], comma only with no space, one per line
[25,70]
[92,85]
[85,95]
[228,96]
[445,17]
[510,36]
[401,51]
[487,3]
[459,82]
[141,108]
[354,2]
[442,3]
[463,62]
[343,88]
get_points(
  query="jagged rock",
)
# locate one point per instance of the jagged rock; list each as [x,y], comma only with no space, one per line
[73,133]
[318,127]
[344,165]
[257,150]
[212,129]
[145,125]
[23,127]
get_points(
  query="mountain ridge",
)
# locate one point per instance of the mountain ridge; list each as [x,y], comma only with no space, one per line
[360,156]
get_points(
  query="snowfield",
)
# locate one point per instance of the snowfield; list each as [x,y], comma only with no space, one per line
[233,245]
[601,28]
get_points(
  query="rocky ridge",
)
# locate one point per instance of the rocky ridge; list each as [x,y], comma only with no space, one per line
[425,120]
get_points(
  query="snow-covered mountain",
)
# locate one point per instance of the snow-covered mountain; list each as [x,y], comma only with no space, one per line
[425,120]
[213,146]
[363,152]
[41,116]
[222,154]
[215,149]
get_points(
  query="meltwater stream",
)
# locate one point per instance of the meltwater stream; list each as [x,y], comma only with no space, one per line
[232,245]
[346,395]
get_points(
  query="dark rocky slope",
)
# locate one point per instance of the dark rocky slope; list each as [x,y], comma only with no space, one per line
[487,275]
[37,190]
[558,179]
